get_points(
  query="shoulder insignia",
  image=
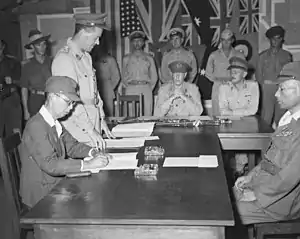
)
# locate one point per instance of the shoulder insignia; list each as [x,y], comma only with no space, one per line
[64,49]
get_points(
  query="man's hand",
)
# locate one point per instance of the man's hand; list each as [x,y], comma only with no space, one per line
[8,80]
[100,161]
[248,196]
[26,115]
[98,140]
[242,182]
[106,130]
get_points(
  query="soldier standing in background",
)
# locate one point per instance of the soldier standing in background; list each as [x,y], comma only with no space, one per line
[178,53]
[35,73]
[10,103]
[269,66]
[139,72]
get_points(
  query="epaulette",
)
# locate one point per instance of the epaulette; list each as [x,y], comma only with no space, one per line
[64,49]
[11,57]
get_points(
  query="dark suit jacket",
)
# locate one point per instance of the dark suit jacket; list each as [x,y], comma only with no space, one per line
[46,158]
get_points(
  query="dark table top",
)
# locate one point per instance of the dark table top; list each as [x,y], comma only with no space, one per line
[178,196]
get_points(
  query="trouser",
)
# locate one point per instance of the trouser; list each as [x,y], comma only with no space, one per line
[146,91]
[11,115]
[215,98]
[35,102]
[270,111]
[108,103]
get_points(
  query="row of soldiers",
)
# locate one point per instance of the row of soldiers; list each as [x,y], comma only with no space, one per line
[139,74]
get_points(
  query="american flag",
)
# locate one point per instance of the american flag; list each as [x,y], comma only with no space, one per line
[129,20]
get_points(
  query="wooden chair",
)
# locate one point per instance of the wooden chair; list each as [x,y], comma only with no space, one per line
[129,105]
[276,229]
[10,165]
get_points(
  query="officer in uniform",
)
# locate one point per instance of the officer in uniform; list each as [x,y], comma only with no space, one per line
[178,53]
[139,72]
[217,66]
[178,98]
[87,119]
[269,66]
[35,73]
[10,103]
[270,191]
[238,97]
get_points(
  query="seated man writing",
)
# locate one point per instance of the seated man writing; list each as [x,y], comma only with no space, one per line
[239,97]
[178,98]
[271,191]
[47,150]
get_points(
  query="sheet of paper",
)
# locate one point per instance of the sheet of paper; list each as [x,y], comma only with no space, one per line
[119,161]
[208,161]
[133,130]
[203,161]
[181,162]
[125,143]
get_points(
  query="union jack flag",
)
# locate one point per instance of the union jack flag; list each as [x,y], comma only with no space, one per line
[249,16]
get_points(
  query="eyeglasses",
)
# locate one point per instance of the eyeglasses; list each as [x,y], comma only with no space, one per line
[68,101]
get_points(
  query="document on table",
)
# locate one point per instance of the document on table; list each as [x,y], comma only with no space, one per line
[119,161]
[203,161]
[128,142]
[133,129]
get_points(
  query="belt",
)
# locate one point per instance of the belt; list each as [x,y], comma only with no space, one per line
[135,82]
[37,92]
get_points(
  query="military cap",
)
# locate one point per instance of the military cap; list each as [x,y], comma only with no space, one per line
[179,66]
[275,31]
[137,34]
[91,20]
[63,85]
[176,32]
[238,63]
[290,71]
[226,34]
[35,36]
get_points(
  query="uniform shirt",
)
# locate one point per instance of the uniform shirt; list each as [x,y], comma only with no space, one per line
[35,74]
[179,106]
[239,102]
[270,64]
[180,54]
[9,66]
[217,65]
[287,118]
[72,62]
[276,178]
[139,68]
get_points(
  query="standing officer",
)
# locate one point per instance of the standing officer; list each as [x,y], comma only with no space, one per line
[178,53]
[73,60]
[269,66]
[10,103]
[35,73]
[139,72]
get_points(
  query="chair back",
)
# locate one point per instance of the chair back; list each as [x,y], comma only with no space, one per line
[10,165]
[129,105]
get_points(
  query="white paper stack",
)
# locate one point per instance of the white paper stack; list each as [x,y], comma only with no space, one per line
[128,142]
[119,161]
[133,130]
[203,161]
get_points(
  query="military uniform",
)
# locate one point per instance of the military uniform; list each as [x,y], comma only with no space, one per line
[140,74]
[217,72]
[72,62]
[33,77]
[187,105]
[108,77]
[10,103]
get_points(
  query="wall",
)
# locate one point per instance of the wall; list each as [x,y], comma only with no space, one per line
[286,14]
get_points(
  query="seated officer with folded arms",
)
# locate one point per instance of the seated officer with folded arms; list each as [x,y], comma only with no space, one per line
[238,97]
[178,98]
[48,151]
[271,191]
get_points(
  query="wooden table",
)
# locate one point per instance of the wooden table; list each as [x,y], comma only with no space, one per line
[181,203]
